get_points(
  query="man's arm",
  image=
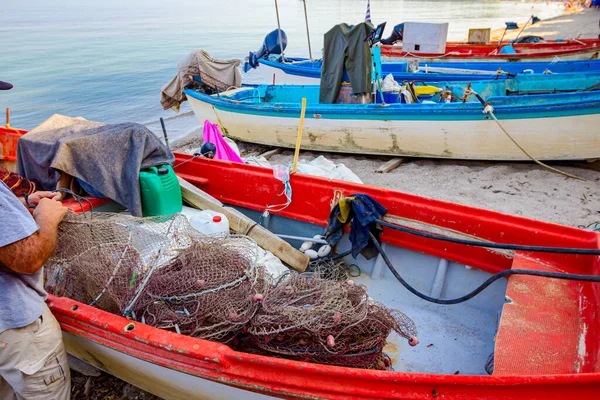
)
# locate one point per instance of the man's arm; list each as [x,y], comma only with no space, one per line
[28,255]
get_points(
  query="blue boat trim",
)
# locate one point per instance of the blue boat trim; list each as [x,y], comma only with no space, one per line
[312,69]
[286,99]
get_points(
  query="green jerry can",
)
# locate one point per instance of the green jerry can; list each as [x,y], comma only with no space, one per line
[160,191]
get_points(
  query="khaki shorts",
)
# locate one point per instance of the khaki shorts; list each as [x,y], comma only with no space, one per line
[33,362]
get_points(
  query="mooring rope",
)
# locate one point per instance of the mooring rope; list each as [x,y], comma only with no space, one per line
[488,109]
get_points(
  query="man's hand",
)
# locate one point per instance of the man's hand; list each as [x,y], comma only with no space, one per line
[49,211]
[35,198]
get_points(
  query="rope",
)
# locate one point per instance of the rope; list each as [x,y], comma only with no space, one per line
[488,109]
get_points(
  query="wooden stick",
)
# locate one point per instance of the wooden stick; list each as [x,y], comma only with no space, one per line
[390,165]
[299,138]
[244,225]
[279,32]
[8,117]
[307,32]
[271,153]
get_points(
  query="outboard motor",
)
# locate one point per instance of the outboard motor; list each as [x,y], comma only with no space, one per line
[397,34]
[270,46]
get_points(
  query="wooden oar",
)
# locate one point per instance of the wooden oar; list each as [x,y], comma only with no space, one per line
[244,225]
[299,137]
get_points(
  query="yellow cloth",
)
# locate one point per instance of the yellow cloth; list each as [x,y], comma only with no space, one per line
[345,208]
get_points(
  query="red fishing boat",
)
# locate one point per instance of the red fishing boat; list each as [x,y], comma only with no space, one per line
[542,332]
[575,49]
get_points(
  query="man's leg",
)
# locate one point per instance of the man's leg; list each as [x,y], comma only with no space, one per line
[34,360]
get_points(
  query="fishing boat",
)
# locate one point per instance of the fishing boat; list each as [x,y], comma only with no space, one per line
[299,71]
[576,49]
[542,332]
[539,113]
[9,138]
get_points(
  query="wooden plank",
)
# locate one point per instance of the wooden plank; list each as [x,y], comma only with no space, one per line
[245,226]
[390,165]
[271,153]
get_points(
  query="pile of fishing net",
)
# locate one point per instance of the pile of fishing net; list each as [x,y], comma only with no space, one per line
[162,272]
[307,318]
[159,271]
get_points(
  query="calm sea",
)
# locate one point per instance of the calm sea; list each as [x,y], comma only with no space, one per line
[107,60]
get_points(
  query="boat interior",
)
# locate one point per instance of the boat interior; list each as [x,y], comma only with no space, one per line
[524,321]
[523,90]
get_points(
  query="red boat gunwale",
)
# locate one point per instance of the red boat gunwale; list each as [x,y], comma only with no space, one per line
[254,187]
[530,51]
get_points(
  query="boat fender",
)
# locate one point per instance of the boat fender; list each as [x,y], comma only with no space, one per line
[306,246]
[324,250]
[312,254]
[413,341]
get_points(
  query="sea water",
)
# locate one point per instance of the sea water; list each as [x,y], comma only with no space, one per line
[107,60]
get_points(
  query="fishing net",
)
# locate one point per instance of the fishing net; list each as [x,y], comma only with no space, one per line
[159,271]
[308,318]
[162,272]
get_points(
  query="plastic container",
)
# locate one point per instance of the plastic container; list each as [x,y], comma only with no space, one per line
[160,191]
[209,223]
[388,97]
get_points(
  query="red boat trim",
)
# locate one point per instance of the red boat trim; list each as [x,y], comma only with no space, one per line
[293,379]
[255,187]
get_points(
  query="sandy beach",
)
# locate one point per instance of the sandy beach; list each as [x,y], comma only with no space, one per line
[519,188]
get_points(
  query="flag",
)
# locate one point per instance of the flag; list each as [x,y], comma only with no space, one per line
[368,16]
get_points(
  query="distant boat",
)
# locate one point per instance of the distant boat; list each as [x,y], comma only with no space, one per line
[539,111]
[575,49]
[299,71]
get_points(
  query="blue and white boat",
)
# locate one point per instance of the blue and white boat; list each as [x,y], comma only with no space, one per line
[298,71]
[554,117]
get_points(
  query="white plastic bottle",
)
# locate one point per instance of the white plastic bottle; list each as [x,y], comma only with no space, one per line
[209,223]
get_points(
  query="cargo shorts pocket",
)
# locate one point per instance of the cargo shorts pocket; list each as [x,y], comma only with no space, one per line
[45,382]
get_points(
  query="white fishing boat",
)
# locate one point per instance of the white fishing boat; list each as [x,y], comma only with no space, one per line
[538,112]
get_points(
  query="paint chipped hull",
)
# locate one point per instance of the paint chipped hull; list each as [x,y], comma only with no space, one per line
[482,139]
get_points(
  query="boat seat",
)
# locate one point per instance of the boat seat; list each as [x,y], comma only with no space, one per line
[541,327]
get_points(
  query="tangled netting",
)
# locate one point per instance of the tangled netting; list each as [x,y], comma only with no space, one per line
[159,271]
[162,272]
[312,319]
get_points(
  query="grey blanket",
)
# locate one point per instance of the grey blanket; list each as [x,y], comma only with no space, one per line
[108,157]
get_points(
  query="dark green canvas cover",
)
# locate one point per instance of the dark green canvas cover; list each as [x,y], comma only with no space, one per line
[345,46]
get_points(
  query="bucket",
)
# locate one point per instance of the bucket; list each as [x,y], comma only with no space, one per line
[388,97]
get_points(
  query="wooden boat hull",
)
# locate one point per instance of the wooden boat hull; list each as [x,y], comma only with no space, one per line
[456,137]
[178,367]
[585,49]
